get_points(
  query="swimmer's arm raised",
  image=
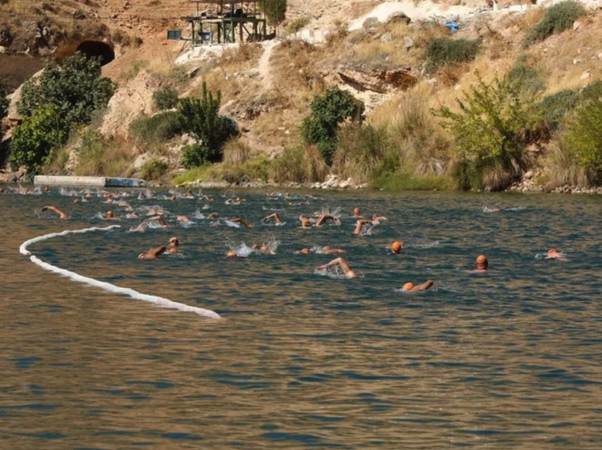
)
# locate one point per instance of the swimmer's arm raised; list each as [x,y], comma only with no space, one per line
[62,214]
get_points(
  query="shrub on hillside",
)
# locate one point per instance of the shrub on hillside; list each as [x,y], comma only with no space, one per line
[299,164]
[556,106]
[236,152]
[328,111]
[526,76]
[165,98]
[297,25]
[154,170]
[359,150]
[158,128]
[34,141]
[584,138]
[441,51]
[201,118]
[75,89]
[558,18]
[491,131]
[98,156]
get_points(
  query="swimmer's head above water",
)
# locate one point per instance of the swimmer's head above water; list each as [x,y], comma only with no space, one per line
[482,263]
[396,246]
[410,287]
[357,212]
[231,254]
[554,254]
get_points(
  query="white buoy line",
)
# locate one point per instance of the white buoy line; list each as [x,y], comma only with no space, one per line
[106,286]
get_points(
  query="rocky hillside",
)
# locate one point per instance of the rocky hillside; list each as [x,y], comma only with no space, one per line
[377,51]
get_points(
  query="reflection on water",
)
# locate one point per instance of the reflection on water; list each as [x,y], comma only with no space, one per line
[512,359]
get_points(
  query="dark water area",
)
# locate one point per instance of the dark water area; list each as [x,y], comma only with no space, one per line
[507,359]
[15,69]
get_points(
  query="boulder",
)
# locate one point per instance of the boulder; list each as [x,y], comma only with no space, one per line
[399,17]
[377,79]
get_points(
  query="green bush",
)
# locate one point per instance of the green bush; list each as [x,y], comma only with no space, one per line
[158,128]
[201,118]
[491,131]
[328,111]
[297,25]
[195,155]
[274,10]
[556,106]
[584,138]
[359,150]
[527,77]
[558,18]
[442,51]
[166,98]
[98,156]
[75,89]
[34,141]
[154,170]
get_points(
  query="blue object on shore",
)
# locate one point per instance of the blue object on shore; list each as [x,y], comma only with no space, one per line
[453,26]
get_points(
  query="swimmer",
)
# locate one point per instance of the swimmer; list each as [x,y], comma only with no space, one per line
[243,222]
[396,247]
[235,201]
[184,219]
[482,264]
[159,220]
[376,219]
[360,225]
[62,214]
[132,215]
[305,222]
[263,249]
[409,287]
[231,254]
[213,216]
[324,250]
[110,216]
[276,218]
[357,212]
[349,273]
[153,253]
[173,245]
[555,254]
[189,194]
[325,218]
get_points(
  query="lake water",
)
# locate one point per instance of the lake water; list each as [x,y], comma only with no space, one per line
[510,359]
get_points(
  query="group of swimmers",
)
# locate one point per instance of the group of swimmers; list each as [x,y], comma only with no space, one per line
[339,265]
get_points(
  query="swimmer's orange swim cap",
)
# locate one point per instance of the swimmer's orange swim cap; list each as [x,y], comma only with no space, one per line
[408,287]
[357,211]
[396,246]
[231,254]
[109,213]
[552,251]
[482,261]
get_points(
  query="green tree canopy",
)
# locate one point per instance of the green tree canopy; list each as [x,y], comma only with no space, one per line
[328,111]
[75,89]
[201,118]
[34,141]
[274,10]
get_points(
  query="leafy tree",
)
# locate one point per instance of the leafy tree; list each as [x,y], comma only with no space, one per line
[274,10]
[201,118]
[34,141]
[3,104]
[328,111]
[491,132]
[165,98]
[584,138]
[75,88]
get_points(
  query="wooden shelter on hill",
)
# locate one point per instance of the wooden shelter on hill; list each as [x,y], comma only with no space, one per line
[227,22]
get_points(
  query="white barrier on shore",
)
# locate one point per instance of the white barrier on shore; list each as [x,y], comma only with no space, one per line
[107,286]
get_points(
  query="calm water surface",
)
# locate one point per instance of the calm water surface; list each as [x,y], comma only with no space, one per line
[511,359]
